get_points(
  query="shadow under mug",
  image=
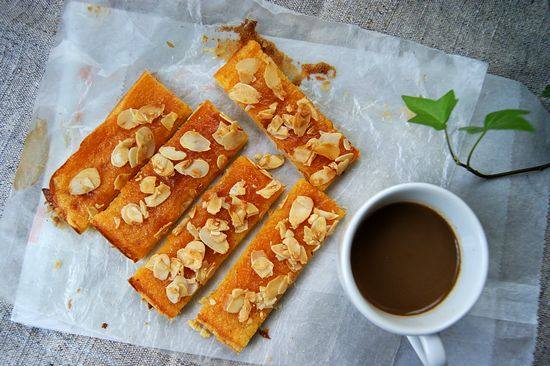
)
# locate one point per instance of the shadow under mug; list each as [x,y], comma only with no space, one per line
[421,329]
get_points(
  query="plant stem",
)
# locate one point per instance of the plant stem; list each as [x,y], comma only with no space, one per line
[488,176]
[474,147]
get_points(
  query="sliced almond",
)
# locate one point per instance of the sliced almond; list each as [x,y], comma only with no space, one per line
[273,81]
[347,144]
[143,209]
[84,181]
[162,166]
[170,152]
[116,219]
[269,112]
[214,239]
[192,255]
[130,118]
[322,177]
[229,136]
[328,144]
[119,156]
[176,268]
[160,265]
[343,162]
[277,286]
[300,210]
[162,230]
[268,161]
[148,184]
[304,155]
[326,214]
[221,161]
[179,288]
[131,214]
[192,229]
[121,180]
[161,193]
[234,301]
[197,169]
[251,209]
[261,264]
[152,111]
[168,120]
[304,102]
[244,93]
[237,212]
[238,188]
[270,189]
[133,157]
[214,204]
[277,129]
[315,234]
[246,68]
[194,141]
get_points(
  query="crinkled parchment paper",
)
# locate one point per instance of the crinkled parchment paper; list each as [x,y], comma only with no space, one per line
[76,283]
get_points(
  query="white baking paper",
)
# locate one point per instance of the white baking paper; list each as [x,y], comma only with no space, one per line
[102,51]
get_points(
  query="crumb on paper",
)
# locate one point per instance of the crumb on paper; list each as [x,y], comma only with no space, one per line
[78,290]
[196,326]
[325,85]
[264,332]
[104,325]
[70,304]
[57,264]
[170,44]
[269,359]
[146,324]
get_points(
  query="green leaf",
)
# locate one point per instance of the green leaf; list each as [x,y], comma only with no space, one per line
[507,119]
[431,112]
[472,129]
[546,92]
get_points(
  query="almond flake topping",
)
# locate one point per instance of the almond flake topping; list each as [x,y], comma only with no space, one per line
[121,180]
[84,181]
[240,301]
[221,161]
[143,209]
[161,193]
[251,209]
[229,136]
[194,141]
[133,158]
[273,81]
[323,176]
[268,161]
[170,152]
[176,268]
[214,204]
[179,288]
[145,141]
[246,68]
[179,227]
[237,212]
[291,251]
[162,166]
[130,118]
[151,111]
[270,189]
[198,168]
[116,219]
[305,103]
[131,214]
[300,210]
[261,264]
[328,144]
[304,155]
[326,214]
[269,112]
[277,129]
[342,162]
[267,297]
[119,156]
[204,272]
[244,93]
[315,234]
[192,229]
[148,184]
[212,235]
[160,265]
[164,228]
[238,188]
[168,120]
[347,144]
[192,255]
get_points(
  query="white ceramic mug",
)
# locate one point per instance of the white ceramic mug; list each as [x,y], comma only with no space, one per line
[422,329]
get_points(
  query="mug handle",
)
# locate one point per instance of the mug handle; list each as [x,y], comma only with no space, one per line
[429,349]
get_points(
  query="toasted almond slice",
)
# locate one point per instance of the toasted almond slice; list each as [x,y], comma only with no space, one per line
[129,118]
[261,264]
[215,240]
[179,288]
[160,265]
[304,102]
[192,255]
[300,210]
[343,162]
[147,184]
[192,229]
[163,229]
[268,161]
[246,68]
[347,144]
[277,129]
[133,156]
[322,177]
[234,301]
[277,286]
[238,188]
[326,214]
[131,214]
[161,193]
[84,181]
[152,111]
[273,81]
[121,180]
[327,145]
[116,219]
[168,120]
[143,209]
[269,112]
[221,161]
[119,156]
[170,152]
[302,154]
[251,209]
[197,169]
[270,189]
[162,166]
[214,204]
[176,267]
[194,141]
[244,93]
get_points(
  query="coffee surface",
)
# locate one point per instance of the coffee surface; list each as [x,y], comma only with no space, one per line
[405,258]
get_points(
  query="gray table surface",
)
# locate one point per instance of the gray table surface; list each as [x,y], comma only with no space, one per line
[512,36]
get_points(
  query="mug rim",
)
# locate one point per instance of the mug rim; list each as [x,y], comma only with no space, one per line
[358,300]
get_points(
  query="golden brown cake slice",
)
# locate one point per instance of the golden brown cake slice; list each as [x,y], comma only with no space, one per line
[201,242]
[142,121]
[272,261]
[289,118]
[157,196]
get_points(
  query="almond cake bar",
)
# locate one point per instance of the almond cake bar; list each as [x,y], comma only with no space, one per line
[163,189]
[272,261]
[289,118]
[201,242]
[142,121]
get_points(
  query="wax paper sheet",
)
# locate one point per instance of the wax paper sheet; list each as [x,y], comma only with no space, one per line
[77,283]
